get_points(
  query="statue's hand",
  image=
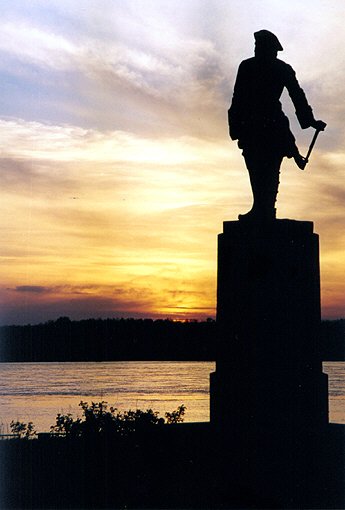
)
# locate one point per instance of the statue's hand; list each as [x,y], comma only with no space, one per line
[233,133]
[300,161]
[319,125]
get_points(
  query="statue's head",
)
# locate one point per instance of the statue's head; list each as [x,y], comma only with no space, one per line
[266,44]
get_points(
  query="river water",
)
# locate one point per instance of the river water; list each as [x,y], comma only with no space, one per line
[38,391]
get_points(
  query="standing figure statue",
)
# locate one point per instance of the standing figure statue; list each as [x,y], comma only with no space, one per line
[257,121]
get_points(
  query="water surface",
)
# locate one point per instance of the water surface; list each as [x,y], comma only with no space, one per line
[38,391]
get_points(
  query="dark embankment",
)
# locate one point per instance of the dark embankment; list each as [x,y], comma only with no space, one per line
[175,466]
[172,467]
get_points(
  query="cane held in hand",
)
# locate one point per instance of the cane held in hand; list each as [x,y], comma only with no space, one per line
[319,126]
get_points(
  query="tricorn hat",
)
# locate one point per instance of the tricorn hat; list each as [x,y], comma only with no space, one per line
[266,38]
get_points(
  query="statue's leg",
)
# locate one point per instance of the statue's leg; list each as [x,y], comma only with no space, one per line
[270,190]
[263,171]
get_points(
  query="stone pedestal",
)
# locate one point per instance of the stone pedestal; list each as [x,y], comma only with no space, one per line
[269,397]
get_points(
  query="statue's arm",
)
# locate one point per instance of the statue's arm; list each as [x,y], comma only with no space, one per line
[304,112]
[235,112]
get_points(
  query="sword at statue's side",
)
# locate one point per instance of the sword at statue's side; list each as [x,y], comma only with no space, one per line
[321,126]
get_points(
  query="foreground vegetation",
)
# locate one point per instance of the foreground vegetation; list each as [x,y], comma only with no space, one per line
[154,467]
[180,465]
[100,420]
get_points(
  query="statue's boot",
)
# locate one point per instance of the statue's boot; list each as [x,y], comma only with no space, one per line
[264,181]
[268,197]
[249,216]
[265,212]
[263,209]
[254,212]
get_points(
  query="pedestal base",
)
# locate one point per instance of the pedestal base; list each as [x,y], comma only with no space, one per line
[269,397]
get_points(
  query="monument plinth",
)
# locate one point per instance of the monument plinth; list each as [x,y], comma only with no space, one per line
[269,397]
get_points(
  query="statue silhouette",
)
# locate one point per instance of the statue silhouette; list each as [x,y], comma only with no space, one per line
[257,121]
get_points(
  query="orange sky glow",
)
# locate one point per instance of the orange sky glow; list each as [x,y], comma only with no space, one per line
[117,168]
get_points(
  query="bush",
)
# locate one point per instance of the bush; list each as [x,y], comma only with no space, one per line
[101,420]
[23,430]
[176,416]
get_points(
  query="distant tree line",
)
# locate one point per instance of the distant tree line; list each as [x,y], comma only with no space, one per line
[132,339]
[108,339]
[332,340]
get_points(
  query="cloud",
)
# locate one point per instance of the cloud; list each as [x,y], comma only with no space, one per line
[36,289]
[156,80]
[159,69]
[38,47]
[80,302]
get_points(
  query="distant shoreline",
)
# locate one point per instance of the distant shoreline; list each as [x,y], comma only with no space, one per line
[133,340]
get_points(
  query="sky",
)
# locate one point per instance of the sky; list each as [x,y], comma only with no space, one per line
[117,170]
